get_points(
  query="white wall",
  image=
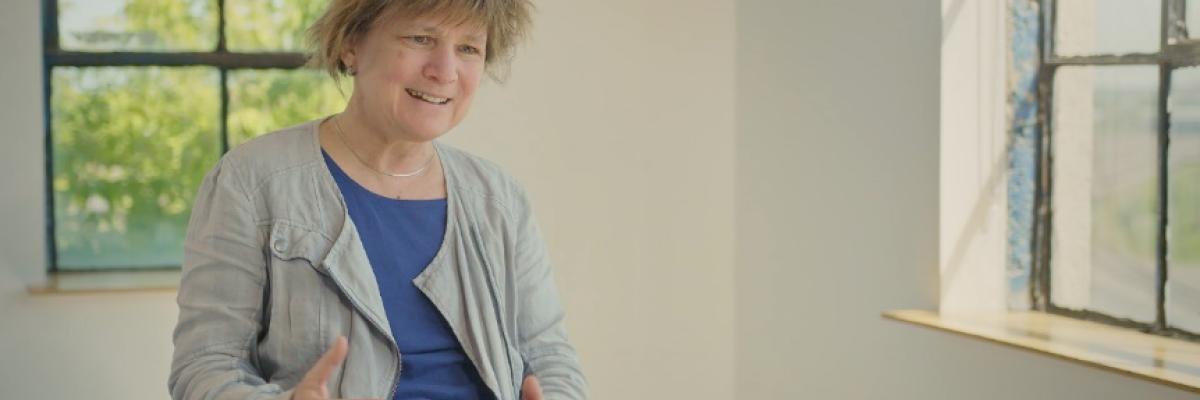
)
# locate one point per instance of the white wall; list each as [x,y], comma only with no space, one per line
[621,127]
[838,212]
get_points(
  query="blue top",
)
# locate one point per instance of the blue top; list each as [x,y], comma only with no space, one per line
[401,237]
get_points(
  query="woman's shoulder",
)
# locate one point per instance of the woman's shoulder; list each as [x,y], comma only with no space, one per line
[477,176]
[283,149]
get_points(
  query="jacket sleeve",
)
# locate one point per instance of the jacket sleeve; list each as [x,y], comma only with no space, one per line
[540,315]
[220,297]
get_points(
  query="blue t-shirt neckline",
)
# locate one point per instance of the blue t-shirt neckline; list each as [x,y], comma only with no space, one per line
[340,176]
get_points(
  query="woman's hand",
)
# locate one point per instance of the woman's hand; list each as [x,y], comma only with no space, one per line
[531,389]
[312,387]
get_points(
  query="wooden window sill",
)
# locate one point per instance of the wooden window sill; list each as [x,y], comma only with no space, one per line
[80,283]
[1168,361]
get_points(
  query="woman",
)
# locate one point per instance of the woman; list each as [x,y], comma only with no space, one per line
[354,256]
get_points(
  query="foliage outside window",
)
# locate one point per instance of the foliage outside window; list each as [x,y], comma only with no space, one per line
[143,96]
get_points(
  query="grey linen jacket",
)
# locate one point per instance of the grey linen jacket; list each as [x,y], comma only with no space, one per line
[274,271]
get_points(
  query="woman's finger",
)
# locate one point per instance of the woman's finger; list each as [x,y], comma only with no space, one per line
[531,389]
[318,375]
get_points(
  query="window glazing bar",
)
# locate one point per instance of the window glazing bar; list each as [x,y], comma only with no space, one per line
[1107,59]
[145,59]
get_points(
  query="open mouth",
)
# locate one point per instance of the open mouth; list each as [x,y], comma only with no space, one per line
[427,97]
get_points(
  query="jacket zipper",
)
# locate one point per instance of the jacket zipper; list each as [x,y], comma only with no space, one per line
[391,341]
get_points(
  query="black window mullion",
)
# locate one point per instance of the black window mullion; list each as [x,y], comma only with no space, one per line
[224,110]
[1164,121]
[1039,291]
[1043,195]
[145,59]
[50,24]
[49,42]
[221,47]
[1164,73]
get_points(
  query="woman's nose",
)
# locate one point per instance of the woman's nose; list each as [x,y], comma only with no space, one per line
[442,66]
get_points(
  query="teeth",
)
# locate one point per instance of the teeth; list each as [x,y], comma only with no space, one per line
[428,98]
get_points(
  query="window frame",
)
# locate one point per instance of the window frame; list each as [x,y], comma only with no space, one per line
[220,57]
[1175,51]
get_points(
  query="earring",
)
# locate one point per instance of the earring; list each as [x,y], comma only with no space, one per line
[353,71]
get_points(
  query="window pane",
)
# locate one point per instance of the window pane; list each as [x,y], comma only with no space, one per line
[130,147]
[262,101]
[269,25]
[1183,197]
[138,25]
[1104,224]
[1084,27]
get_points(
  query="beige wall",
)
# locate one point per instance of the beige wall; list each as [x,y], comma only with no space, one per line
[621,127]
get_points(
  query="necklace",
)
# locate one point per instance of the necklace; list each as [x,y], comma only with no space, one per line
[341,136]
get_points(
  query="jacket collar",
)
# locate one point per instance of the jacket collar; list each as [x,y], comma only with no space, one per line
[346,262]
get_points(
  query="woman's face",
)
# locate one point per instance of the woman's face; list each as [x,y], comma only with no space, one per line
[416,76]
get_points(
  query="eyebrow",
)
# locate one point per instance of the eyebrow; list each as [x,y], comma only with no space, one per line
[438,31]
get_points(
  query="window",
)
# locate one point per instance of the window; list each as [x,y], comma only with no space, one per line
[142,98]
[1115,212]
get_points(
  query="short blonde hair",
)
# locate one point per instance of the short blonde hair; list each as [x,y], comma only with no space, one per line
[346,21]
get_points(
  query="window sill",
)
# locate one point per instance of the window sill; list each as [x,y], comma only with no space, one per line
[1168,361]
[80,283]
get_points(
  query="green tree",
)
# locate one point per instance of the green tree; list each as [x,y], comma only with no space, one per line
[270,25]
[131,144]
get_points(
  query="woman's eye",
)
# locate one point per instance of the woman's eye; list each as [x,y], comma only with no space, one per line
[472,50]
[422,40]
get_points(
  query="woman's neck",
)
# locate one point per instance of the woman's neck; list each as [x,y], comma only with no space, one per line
[378,147]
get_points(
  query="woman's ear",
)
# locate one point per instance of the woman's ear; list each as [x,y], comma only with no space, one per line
[349,62]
